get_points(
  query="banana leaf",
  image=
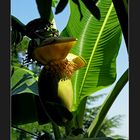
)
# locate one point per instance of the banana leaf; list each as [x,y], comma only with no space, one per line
[25,103]
[23,81]
[98,43]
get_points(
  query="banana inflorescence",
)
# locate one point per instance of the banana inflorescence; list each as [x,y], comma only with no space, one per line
[48,49]
[54,84]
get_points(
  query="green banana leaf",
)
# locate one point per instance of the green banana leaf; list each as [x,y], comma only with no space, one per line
[54,3]
[23,81]
[98,43]
[24,94]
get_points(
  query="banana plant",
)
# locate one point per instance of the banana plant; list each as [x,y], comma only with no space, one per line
[98,39]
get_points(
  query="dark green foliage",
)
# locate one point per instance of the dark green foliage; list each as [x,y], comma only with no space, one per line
[20,115]
[79,8]
[91,6]
[16,36]
[121,7]
[32,130]
[45,136]
[61,5]
[17,30]
[23,92]
[44,9]
[31,46]
[17,25]
[38,28]
[77,131]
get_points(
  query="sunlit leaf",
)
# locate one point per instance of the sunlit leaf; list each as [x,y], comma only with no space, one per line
[98,43]
[24,90]
[54,2]
[23,80]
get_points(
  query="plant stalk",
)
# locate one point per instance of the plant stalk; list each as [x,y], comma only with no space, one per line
[80,113]
[97,122]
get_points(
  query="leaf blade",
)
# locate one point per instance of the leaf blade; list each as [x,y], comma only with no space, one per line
[98,43]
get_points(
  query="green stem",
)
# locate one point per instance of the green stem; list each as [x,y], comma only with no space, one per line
[56,131]
[77,121]
[96,124]
[80,113]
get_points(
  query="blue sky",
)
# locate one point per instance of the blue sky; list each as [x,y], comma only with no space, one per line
[26,10]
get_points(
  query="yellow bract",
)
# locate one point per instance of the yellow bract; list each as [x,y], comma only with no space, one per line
[54,54]
[65,93]
[57,49]
[65,89]
[78,60]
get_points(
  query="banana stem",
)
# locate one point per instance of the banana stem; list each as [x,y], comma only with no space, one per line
[95,125]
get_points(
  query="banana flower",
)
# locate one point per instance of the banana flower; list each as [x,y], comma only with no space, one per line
[55,78]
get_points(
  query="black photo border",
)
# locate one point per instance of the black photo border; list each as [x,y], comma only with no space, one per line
[134,69]
[5,70]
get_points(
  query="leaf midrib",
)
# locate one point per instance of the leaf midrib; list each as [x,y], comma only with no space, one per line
[80,52]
